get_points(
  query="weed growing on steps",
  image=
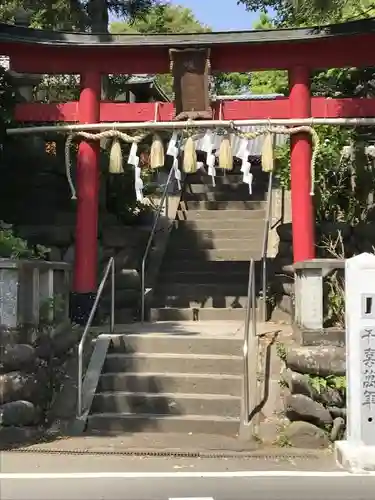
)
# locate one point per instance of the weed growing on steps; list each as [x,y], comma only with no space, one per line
[281,351]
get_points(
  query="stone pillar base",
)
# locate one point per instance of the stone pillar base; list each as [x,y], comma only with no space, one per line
[355,457]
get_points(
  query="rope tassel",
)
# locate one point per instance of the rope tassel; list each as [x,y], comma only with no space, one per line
[157,152]
[268,159]
[115,158]
[225,154]
[190,157]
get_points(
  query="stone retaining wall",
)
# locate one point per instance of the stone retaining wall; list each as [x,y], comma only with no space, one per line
[314,395]
[31,375]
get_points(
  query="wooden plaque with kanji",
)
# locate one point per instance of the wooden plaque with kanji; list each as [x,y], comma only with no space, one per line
[191,83]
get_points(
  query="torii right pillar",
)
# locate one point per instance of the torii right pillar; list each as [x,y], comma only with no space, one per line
[303,225]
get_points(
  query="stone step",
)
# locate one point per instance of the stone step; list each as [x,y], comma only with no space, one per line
[173,363]
[200,301]
[228,206]
[238,189]
[229,196]
[186,277]
[197,314]
[214,254]
[184,234]
[230,213]
[123,423]
[205,313]
[166,404]
[173,341]
[224,221]
[231,178]
[171,382]
[214,243]
[203,290]
[215,266]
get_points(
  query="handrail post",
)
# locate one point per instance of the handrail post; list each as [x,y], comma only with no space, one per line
[253,306]
[110,267]
[143,279]
[246,408]
[250,347]
[112,317]
[79,388]
[164,198]
[265,247]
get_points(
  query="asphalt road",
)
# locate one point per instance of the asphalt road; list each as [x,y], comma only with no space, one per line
[92,477]
[292,487]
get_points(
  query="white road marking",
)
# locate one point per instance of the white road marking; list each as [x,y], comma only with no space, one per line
[179,475]
[192,498]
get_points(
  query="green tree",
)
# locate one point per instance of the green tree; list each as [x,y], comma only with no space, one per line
[7,97]
[309,12]
[342,185]
[167,18]
[268,82]
[162,19]
[232,83]
[78,15]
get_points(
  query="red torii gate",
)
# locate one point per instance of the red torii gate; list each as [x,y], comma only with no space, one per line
[297,50]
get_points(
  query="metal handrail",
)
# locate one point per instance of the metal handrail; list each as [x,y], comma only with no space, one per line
[265,246]
[250,320]
[149,242]
[110,267]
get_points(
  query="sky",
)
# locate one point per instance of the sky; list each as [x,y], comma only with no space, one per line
[220,15]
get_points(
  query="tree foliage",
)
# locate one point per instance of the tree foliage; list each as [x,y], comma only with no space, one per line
[7,97]
[342,184]
[162,19]
[168,18]
[77,15]
[312,12]
[268,82]
[341,190]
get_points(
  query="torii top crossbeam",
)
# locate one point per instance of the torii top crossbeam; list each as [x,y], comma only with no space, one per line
[333,46]
[299,51]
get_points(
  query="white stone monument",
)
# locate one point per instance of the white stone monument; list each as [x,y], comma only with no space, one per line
[357,452]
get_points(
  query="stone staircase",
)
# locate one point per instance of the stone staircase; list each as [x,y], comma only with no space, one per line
[177,374]
[171,377]
[204,275]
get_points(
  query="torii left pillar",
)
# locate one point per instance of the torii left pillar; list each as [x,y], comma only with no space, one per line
[300,160]
[87,184]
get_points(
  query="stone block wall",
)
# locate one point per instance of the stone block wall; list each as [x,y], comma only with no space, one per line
[31,375]
[314,395]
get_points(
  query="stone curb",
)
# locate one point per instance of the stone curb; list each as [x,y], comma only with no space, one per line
[240,452]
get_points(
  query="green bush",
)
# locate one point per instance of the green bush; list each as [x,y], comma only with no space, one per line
[342,184]
[13,247]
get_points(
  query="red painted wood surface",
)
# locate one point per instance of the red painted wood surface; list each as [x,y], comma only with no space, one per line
[351,50]
[234,110]
[300,168]
[87,179]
